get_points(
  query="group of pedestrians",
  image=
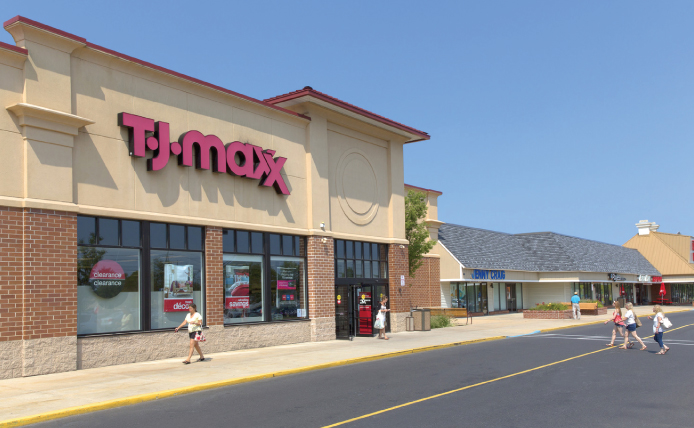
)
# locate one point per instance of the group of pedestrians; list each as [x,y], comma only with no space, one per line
[627,323]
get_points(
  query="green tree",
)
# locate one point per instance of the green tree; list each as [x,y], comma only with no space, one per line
[415,229]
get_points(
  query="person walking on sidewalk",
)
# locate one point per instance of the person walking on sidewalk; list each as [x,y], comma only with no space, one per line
[576,305]
[380,323]
[630,321]
[658,329]
[194,320]
[618,322]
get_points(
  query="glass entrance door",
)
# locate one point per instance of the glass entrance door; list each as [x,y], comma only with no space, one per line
[343,311]
[511,297]
[354,310]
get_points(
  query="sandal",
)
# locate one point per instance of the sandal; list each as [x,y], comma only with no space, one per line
[610,345]
[644,348]
[622,347]
[666,350]
[186,362]
[630,345]
[660,353]
[386,338]
[201,359]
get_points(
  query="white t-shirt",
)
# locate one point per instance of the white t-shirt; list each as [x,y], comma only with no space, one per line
[655,322]
[195,317]
[629,317]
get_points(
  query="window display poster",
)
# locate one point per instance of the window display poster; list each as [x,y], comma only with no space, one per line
[178,287]
[236,287]
[286,278]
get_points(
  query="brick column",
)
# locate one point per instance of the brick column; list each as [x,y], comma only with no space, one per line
[214,277]
[421,291]
[321,287]
[50,292]
[11,292]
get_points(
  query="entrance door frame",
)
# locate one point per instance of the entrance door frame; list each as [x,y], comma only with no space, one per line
[351,284]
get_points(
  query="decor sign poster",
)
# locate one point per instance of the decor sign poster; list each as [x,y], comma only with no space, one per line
[178,287]
[236,287]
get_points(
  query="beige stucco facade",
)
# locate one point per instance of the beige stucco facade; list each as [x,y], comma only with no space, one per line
[68,153]
[61,135]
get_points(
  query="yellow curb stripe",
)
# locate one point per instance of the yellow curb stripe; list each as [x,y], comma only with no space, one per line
[475,385]
[127,401]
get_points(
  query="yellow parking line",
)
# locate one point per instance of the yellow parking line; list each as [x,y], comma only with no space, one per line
[477,384]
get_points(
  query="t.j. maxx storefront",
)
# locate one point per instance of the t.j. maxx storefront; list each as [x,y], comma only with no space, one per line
[130,191]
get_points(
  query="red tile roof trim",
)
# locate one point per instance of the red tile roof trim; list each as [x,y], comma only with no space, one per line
[13,48]
[308,91]
[422,188]
[147,64]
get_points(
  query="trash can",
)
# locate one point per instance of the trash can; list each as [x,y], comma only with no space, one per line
[409,324]
[422,319]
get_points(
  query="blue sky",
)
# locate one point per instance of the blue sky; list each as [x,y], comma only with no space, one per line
[574,117]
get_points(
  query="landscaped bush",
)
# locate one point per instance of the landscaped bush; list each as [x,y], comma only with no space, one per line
[549,307]
[440,321]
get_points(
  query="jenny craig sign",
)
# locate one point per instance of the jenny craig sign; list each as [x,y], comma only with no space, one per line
[488,274]
[253,162]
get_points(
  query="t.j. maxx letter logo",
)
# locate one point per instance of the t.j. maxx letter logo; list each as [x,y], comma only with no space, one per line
[253,161]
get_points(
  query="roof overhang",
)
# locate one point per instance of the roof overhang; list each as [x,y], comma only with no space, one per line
[309,95]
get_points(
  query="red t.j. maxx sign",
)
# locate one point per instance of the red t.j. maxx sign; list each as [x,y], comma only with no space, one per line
[255,162]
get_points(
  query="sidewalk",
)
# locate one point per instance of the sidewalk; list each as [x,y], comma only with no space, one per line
[23,397]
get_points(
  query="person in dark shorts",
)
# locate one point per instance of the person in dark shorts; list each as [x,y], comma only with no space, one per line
[194,321]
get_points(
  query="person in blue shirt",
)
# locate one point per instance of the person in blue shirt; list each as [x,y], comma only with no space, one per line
[575,300]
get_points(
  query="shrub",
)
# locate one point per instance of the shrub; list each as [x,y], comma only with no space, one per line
[550,307]
[440,321]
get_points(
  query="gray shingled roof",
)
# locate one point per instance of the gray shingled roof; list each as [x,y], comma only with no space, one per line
[539,252]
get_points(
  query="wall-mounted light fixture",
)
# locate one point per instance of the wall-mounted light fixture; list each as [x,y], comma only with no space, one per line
[322,225]
[324,240]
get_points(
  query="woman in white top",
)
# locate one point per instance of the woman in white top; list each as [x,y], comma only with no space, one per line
[194,320]
[630,321]
[381,319]
[658,329]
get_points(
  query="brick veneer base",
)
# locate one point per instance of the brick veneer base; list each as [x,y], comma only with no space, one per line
[548,315]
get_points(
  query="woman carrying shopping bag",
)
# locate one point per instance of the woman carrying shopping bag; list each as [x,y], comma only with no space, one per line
[380,323]
[631,324]
[194,320]
[658,329]
[618,322]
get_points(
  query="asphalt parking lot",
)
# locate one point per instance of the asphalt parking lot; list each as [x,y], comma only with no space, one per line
[568,377]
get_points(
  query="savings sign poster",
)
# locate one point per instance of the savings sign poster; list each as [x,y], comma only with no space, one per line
[236,287]
[178,287]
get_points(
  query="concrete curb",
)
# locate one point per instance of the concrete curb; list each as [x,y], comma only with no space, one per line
[135,399]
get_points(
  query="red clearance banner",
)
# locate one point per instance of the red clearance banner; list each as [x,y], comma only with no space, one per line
[177,305]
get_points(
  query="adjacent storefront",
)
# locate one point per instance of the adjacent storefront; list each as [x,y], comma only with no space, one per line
[490,272]
[673,255]
[136,191]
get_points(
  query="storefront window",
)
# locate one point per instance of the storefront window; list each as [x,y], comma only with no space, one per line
[108,276]
[251,290]
[362,260]
[110,280]
[177,281]
[585,290]
[108,290]
[243,288]
[287,287]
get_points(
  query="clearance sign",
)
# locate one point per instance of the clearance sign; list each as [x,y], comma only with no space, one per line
[237,158]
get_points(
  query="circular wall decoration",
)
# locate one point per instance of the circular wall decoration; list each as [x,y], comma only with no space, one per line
[107,279]
[357,187]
